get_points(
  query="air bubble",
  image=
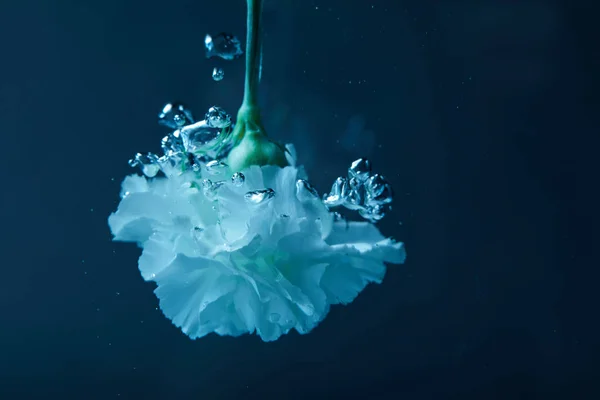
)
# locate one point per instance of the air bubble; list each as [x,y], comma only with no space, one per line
[175,115]
[335,196]
[360,169]
[223,45]
[215,167]
[378,190]
[372,213]
[274,317]
[217,117]
[172,143]
[238,179]
[218,74]
[199,137]
[259,196]
[305,191]
[147,162]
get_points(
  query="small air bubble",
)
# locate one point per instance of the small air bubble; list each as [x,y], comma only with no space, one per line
[238,179]
[218,74]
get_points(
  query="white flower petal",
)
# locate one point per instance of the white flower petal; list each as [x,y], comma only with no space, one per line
[290,154]
[157,255]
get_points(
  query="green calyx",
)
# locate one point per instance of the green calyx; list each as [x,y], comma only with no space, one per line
[253,147]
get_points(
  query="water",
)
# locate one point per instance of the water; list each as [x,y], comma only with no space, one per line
[472,315]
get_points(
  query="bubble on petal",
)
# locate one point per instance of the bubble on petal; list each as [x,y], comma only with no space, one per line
[199,137]
[196,233]
[259,196]
[238,179]
[215,167]
[173,164]
[210,188]
[274,317]
[172,143]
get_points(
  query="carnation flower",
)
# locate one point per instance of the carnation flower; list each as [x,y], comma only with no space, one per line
[230,264]
[248,245]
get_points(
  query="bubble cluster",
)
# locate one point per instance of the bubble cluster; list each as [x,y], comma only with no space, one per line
[199,137]
[200,146]
[217,117]
[190,144]
[147,162]
[361,190]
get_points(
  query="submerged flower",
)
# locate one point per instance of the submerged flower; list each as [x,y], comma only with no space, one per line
[252,248]
[263,256]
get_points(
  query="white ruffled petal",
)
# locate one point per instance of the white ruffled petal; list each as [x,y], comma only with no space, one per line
[138,215]
[157,255]
[185,290]
[134,184]
[290,154]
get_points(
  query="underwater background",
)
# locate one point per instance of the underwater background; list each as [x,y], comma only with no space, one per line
[477,112]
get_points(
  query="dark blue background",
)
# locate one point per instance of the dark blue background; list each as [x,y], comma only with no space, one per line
[477,111]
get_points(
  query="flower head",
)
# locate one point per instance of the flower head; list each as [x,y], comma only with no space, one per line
[265,256]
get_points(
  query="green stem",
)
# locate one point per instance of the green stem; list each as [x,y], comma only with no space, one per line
[252,147]
[253,50]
